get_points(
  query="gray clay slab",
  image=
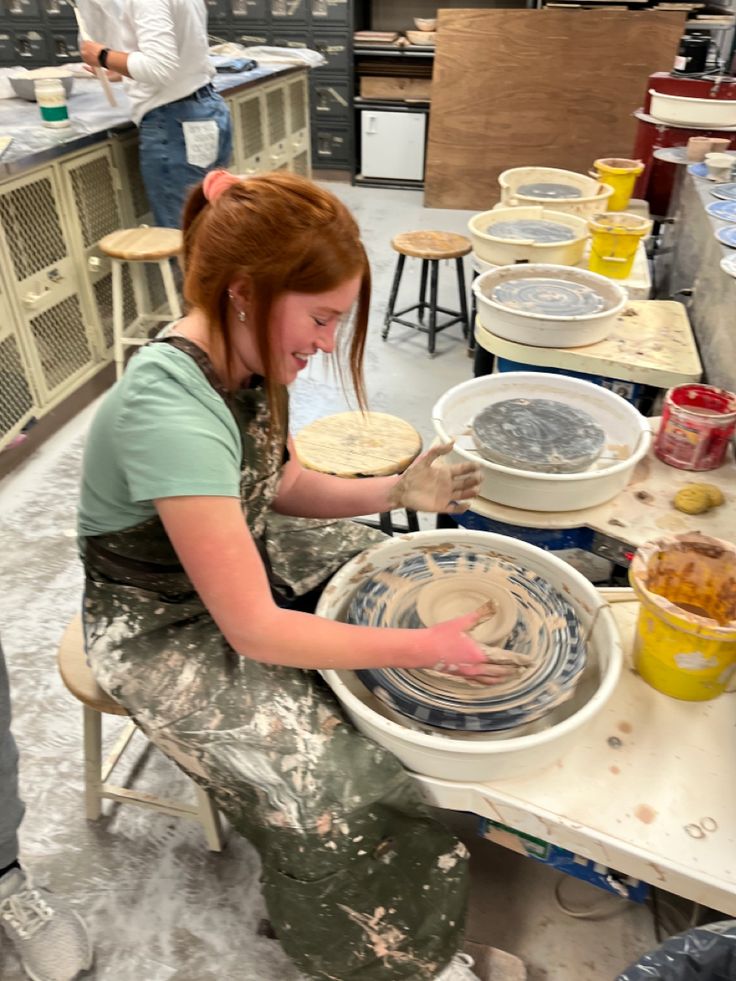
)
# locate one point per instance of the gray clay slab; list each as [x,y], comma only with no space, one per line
[547,189]
[538,230]
[538,434]
[559,298]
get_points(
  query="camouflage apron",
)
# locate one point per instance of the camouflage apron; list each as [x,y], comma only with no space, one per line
[361,883]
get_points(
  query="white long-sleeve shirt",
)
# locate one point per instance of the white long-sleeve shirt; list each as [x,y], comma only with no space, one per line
[166,42]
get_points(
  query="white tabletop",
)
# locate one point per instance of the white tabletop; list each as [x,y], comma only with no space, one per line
[648,791]
[642,511]
[652,343]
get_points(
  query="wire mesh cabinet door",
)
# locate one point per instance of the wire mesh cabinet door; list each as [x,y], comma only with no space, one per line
[18,401]
[249,119]
[94,209]
[60,343]
[297,93]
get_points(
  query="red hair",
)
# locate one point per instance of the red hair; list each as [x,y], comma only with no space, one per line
[281,233]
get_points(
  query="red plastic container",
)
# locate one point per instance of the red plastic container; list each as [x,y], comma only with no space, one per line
[697,423]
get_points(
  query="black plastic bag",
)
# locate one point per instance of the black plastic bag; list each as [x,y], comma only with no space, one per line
[706,953]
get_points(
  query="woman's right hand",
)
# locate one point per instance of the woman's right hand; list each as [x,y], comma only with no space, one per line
[453,651]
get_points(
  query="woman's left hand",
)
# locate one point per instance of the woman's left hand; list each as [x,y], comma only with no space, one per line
[429,484]
[90,52]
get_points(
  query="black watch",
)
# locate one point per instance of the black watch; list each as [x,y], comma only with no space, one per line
[102,57]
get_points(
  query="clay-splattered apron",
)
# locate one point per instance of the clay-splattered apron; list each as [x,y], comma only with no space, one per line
[361,883]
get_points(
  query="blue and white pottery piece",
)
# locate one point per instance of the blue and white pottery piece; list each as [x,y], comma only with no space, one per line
[723,210]
[726,192]
[698,170]
[549,190]
[545,641]
[551,297]
[727,236]
[531,230]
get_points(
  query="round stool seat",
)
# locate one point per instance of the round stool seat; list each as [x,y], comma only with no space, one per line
[432,245]
[76,675]
[356,444]
[142,244]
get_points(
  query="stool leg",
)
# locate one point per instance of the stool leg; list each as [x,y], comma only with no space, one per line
[172,297]
[433,304]
[209,818]
[473,314]
[385,523]
[139,291]
[118,316]
[483,363]
[463,296]
[423,291]
[394,293]
[412,522]
[92,730]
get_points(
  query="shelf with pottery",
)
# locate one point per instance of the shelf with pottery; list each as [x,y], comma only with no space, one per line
[639,513]
[652,343]
[642,791]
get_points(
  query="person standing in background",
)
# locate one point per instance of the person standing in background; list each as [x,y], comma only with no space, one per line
[184,125]
[49,937]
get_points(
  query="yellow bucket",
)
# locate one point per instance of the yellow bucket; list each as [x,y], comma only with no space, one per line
[614,241]
[685,642]
[620,174]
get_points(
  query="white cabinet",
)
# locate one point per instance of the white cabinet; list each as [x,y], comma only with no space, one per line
[392,144]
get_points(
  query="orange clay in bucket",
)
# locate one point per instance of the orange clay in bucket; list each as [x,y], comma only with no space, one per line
[620,174]
[685,643]
[614,241]
[697,423]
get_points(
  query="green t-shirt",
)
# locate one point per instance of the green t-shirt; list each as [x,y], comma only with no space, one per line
[161,431]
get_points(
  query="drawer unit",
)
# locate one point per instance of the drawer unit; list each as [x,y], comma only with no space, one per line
[330,11]
[7,48]
[250,9]
[288,12]
[29,10]
[65,46]
[337,52]
[31,46]
[330,147]
[217,11]
[331,101]
[251,36]
[58,10]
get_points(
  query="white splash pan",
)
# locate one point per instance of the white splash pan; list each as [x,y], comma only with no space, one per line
[457,756]
[540,329]
[593,194]
[627,440]
[505,251]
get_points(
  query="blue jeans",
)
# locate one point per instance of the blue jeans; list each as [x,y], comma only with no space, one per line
[167,174]
[11,808]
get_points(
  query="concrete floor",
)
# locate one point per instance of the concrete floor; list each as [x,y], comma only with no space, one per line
[160,907]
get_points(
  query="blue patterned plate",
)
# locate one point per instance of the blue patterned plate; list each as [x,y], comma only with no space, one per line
[726,192]
[727,236]
[549,297]
[698,170]
[545,637]
[549,190]
[723,210]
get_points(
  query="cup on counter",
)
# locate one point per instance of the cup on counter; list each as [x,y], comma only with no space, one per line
[719,166]
[718,144]
[697,147]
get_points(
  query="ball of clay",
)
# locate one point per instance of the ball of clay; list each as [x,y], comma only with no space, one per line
[698,498]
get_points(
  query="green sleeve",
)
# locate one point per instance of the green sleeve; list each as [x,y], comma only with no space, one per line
[174,442]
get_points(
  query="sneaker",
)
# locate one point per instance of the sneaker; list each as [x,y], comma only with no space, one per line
[458,969]
[49,937]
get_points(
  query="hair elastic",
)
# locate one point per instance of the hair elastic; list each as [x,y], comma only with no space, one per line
[218,181]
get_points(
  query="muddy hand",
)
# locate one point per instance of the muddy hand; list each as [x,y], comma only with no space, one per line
[461,656]
[430,484]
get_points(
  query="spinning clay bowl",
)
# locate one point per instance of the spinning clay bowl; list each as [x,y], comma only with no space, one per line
[550,620]
[548,306]
[627,439]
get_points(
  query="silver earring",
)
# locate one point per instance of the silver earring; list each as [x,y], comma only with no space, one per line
[241,316]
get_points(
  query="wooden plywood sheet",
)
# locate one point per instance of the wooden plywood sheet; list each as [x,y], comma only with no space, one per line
[553,88]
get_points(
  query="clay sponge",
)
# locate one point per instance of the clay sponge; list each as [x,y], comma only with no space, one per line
[538,434]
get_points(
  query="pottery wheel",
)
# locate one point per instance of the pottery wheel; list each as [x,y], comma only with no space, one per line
[548,189]
[536,230]
[536,631]
[538,434]
[558,298]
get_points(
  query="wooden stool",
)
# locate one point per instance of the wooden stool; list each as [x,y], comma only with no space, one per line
[80,681]
[134,245]
[357,444]
[430,247]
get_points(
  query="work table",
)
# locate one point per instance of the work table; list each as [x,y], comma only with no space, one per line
[92,118]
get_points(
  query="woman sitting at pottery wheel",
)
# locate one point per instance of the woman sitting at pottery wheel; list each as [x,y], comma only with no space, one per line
[198,576]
